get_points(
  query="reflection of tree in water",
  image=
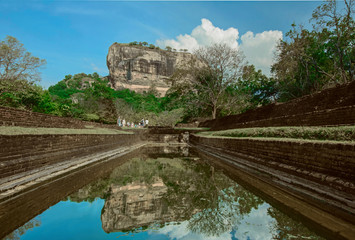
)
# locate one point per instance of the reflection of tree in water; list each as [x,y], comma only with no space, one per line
[15,235]
[225,214]
[211,202]
[219,219]
[97,189]
[286,228]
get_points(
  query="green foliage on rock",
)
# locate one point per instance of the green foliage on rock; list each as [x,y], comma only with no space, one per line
[91,98]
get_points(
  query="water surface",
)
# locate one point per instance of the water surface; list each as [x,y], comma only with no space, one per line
[170,194]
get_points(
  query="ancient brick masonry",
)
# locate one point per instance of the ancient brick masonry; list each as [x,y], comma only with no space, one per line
[322,171]
[334,106]
[22,153]
[331,159]
[18,117]
[24,207]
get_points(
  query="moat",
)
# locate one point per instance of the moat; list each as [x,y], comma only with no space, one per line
[158,193]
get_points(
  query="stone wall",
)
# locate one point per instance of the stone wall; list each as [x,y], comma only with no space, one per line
[23,153]
[19,117]
[334,106]
[29,204]
[322,171]
[168,134]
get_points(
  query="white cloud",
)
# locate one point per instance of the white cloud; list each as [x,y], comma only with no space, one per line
[182,232]
[203,35]
[258,48]
[257,225]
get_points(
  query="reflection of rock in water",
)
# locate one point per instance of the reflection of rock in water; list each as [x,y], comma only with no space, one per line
[135,205]
[185,151]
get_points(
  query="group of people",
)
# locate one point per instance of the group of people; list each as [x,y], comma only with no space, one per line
[124,123]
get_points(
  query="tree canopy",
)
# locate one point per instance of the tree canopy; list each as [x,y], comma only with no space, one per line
[16,63]
[208,79]
[309,60]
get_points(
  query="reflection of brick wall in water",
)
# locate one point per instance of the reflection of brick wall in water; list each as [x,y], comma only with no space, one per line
[18,117]
[333,106]
[322,172]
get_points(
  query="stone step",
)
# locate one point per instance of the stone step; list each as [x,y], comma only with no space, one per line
[16,183]
[28,163]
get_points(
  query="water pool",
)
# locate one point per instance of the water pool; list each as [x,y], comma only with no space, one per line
[162,193]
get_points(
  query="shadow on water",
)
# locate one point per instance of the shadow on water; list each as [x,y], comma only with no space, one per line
[167,193]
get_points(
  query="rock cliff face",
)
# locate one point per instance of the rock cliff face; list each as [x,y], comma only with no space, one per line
[139,68]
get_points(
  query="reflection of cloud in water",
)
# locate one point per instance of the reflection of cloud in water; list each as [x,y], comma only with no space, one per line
[182,232]
[257,225]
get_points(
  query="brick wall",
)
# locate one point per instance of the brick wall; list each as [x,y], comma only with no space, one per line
[331,159]
[18,117]
[27,205]
[321,171]
[21,153]
[334,106]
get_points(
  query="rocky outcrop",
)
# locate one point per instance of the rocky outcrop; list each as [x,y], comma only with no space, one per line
[140,68]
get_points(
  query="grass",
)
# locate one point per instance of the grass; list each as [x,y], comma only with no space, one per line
[9,130]
[340,133]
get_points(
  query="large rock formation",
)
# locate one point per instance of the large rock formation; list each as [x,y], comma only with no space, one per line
[139,68]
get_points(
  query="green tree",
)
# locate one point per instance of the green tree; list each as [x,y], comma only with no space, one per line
[261,89]
[19,94]
[297,65]
[214,69]
[308,61]
[16,63]
[337,28]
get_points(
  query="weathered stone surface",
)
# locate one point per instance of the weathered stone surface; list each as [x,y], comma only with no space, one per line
[330,107]
[19,117]
[138,68]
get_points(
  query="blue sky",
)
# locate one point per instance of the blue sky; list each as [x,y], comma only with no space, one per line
[74,36]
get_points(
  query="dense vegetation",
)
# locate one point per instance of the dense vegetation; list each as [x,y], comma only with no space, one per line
[91,98]
[307,61]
